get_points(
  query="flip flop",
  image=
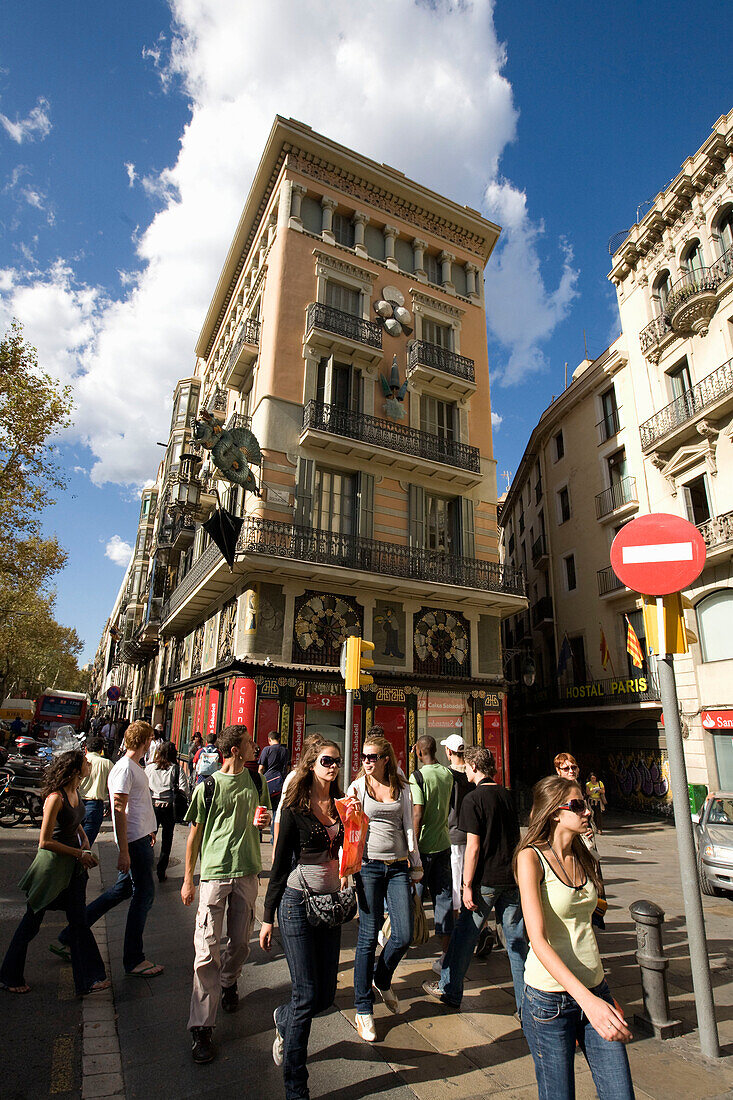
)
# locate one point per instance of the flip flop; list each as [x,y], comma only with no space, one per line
[60,951]
[149,970]
[18,990]
[100,987]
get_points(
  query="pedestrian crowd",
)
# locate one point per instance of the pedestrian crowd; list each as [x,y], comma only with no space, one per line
[448,833]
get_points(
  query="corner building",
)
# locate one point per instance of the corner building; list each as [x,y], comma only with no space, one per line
[377,512]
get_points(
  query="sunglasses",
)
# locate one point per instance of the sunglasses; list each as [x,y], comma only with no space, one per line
[329,761]
[576,805]
[569,768]
[372,757]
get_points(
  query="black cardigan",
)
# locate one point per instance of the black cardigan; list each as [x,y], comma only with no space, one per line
[300,833]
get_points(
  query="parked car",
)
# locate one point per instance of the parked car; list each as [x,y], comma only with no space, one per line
[714,837]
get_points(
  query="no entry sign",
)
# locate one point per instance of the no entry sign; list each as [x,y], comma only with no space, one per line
[658,554]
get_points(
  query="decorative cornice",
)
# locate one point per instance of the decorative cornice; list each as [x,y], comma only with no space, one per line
[333,263]
[421,299]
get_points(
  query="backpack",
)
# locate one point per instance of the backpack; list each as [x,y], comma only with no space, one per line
[209,788]
[209,761]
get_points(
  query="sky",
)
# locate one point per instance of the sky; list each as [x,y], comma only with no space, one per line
[129,135]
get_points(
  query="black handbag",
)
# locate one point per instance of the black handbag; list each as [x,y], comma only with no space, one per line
[328,910]
[180,802]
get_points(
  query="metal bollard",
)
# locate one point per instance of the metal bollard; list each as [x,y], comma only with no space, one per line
[649,919]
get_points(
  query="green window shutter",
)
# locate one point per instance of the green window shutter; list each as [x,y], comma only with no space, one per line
[366,505]
[304,500]
[466,539]
[416,506]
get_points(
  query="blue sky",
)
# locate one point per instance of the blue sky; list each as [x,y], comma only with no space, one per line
[128,136]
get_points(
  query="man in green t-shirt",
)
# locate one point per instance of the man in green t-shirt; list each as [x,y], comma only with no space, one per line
[431,788]
[222,815]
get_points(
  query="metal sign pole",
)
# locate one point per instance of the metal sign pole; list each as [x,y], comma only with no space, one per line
[699,960]
[348,736]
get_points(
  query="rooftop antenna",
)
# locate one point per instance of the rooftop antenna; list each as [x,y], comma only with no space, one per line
[566,375]
[585,344]
[508,475]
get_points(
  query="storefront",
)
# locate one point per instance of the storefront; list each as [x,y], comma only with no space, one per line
[719,723]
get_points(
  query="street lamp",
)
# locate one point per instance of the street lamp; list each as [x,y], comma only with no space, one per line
[529,668]
[186,489]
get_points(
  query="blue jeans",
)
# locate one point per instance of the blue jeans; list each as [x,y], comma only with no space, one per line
[437,878]
[377,883]
[86,962]
[505,900]
[93,817]
[313,960]
[137,883]
[552,1022]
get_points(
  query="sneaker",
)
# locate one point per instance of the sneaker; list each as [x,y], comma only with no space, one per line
[365,1026]
[230,998]
[434,991]
[278,1045]
[389,997]
[202,1048]
[438,964]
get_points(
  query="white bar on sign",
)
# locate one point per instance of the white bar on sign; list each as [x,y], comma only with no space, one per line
[663,551]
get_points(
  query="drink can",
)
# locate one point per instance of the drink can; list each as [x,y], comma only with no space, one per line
[260,814]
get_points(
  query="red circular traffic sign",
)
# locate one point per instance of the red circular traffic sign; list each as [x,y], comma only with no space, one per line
[658,554]
[113,694]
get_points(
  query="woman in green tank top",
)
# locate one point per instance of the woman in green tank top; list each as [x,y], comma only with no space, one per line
[566,998]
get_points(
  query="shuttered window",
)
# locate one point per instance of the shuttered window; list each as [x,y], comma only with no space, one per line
[343,298]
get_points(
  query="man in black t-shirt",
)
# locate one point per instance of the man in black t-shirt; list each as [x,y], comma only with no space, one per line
[274,764]
[491,825]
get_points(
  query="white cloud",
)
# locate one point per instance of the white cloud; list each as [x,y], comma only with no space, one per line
[418,85]
[118,551]
[36,124]
[496,420]
[131,173]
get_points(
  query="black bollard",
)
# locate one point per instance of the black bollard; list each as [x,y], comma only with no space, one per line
[649,919]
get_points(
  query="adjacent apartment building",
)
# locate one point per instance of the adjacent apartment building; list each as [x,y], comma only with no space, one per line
[646,427]
[348,331]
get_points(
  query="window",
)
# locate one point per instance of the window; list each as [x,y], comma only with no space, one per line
[609,423]
[713,626]
[697,500]
[618,469]
[636,618]
[439,523]
[333,501]
[570,578]
[343,230]
[433,269]
[538,484]
[435,333]
[577,648]
[343,298]
[521,522]
[437,417]
[693,260]
[511,544]
[725,231]
[180,411]
[681,386]
[345,389]
[660,291]
[563,504]
[559,446]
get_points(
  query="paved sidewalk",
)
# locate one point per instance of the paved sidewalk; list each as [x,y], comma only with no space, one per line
[426,1051]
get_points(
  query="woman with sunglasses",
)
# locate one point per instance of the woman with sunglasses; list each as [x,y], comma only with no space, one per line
[390,866]
[307,847]
[566,998]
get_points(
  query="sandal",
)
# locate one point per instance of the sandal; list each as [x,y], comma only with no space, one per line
[99,987]
[145,970]
[62,952]
[17,989]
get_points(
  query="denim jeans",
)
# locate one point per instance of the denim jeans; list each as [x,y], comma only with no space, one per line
[93,817]
[437,878]
[313,959]
[137,883]
[165,815]
[505,900]
[552,1022]
[86,962]
[377,883]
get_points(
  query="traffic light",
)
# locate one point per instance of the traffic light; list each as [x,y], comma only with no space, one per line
[357,658]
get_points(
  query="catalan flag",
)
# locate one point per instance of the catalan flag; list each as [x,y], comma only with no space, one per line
[632,645]
[605,654]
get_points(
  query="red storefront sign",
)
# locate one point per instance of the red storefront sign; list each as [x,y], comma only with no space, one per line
[298,730]
[244,697]
[449,722]
[327,702]
[716,720]
[493,740]
[212,711]
[355,745]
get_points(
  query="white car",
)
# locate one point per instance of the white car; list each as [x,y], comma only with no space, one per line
[714,837]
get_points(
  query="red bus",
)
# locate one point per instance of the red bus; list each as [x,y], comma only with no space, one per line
[61,708]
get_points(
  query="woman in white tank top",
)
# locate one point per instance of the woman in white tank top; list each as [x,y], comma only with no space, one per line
[566,998]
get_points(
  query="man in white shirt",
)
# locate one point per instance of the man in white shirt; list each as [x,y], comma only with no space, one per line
[154,744]
[134,825]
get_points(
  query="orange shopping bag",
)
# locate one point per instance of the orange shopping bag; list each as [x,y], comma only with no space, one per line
[356,824]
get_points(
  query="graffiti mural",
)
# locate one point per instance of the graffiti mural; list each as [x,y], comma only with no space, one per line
[641,780]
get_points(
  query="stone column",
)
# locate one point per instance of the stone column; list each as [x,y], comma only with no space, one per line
[360,223]
[389,238]
[271,229]
[471,273]
[446,274]
[328,205]
[418,252]
[297,192]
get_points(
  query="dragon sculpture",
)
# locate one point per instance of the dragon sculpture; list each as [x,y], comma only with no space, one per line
[233,450]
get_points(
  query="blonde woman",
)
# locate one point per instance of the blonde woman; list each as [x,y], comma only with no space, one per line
[390,866]
[566,998]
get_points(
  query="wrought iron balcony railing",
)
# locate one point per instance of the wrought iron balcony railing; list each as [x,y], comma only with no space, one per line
[273,539]
[689,285]
[343,324]
[430,355]
[623,492]
[390,434]
[609,426]
[717,531]
[688,404]
[653,333]
[238,420]
[542,611]
[608,581]
[613,691]
[247,333]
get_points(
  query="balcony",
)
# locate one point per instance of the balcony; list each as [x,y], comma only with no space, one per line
[352,332]
[441,369]
[540,552]
[713,396]
[609,426]
[542,613]
[284,549]
[241,354]
[182,534]
[617,500]
[692,301]
[608,582]
[718,535]
[403,449]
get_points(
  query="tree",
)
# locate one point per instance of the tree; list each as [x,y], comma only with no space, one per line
[37,652]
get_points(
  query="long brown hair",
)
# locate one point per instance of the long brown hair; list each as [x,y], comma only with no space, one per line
[547,797]
[298,794]
[62,771]
[393,777]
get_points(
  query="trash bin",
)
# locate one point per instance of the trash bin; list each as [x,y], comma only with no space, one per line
[697,793]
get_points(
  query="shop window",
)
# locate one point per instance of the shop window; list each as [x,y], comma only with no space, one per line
[697,500]
[713,626]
